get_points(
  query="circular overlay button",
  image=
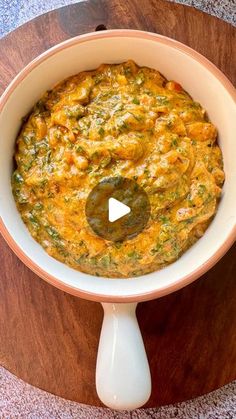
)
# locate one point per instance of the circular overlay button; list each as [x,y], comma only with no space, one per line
[117,209]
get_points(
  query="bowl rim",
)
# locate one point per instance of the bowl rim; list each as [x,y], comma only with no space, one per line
[185,280]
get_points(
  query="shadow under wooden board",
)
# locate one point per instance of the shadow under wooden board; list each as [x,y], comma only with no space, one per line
[49,338]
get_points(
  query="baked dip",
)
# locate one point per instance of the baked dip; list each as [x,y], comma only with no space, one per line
[118,120]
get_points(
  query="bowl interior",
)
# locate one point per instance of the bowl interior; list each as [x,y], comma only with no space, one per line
[201,80]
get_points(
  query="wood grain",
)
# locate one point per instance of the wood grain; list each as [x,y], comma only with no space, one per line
[49,338]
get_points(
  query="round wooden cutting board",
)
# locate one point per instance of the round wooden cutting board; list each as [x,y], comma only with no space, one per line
[49,338]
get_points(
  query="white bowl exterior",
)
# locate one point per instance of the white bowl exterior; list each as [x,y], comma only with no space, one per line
[174,64]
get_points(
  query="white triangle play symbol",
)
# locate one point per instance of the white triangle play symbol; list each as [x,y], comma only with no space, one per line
[116,209]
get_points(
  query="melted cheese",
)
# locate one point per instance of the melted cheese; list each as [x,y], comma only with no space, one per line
[119,120]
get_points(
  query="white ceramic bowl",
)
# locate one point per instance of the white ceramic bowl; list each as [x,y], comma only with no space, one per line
[122,377]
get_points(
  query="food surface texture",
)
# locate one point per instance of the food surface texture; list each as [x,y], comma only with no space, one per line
[118,120]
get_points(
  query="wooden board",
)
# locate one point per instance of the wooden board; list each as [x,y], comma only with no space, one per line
[50,339]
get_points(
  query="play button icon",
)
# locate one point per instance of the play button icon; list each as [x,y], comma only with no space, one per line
[117,209]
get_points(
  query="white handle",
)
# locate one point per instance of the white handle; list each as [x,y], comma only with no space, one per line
[123,378]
